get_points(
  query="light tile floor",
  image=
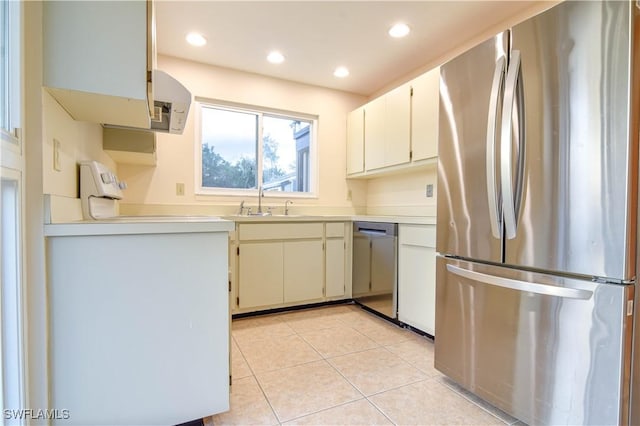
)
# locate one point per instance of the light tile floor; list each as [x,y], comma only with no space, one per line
[341,365]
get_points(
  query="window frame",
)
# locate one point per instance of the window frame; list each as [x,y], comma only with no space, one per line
[10,137]
[13,359]
[260,112]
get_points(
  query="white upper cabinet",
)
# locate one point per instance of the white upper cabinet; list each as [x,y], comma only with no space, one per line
[397,136]
[387,129]
[374,122]
[400,129]
[98,58]
[425,102]
[355,141]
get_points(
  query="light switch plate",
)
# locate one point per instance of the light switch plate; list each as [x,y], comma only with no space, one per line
[180,189]
[429,190]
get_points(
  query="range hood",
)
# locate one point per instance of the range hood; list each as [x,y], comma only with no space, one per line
[171,105]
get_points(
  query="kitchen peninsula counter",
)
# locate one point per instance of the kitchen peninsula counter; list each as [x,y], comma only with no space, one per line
[129,225]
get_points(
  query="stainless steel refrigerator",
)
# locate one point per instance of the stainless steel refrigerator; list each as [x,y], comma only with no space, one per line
[537,206]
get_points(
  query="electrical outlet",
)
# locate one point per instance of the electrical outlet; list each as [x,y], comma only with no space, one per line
[429,190]
[180,188]
[56,156]
[349,195]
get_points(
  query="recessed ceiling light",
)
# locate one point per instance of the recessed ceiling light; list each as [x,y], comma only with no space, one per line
[341,72]
[196,39]
[399,30]
[275,57]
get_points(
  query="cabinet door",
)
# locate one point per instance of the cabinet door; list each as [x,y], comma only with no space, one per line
[417,277]
[335,267]
[374,134]
[95,58]
[397,126]
[424,115]
[361,266]
[355,141]
[260,274]
[303,270]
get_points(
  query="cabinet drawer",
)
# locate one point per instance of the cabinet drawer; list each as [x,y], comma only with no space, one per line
[417,235]
[279,231]
[335,229]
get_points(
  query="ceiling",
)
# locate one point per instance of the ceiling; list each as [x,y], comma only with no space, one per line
[317,36]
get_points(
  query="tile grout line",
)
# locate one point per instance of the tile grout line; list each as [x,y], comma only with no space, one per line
[365,397]
[296,333]
[466,397]
[327,359]
[255,377]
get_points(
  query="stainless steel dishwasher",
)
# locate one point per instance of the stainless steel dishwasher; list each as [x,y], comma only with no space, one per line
[375,271]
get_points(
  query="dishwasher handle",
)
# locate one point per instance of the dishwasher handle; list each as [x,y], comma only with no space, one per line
[376,228]
[374,232]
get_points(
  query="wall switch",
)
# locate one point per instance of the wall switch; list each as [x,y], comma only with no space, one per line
[56,156]
[349,195]
[429,190]
[180,188]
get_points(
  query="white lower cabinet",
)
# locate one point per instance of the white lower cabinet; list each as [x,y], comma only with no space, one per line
[289,263]
[335,260]
[416,276]
[261,274]
[303,271]
[335,267]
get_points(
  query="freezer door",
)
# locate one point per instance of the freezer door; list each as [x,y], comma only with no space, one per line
[545,349]
[579,198]
[471,87]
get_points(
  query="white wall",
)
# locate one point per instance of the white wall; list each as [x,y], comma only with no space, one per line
[403,195]
[79,141]
[35,312]
[152,190]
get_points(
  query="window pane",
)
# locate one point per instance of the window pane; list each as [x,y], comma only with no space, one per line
[4,64]
[285,154]
[10,296]
[229,146]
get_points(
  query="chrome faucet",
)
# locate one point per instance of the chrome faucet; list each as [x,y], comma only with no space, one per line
[241,208]
[260,195]
[286,207]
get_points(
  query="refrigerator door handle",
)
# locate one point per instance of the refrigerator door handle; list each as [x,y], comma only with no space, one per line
[492,192]
[513,95]
[531,287]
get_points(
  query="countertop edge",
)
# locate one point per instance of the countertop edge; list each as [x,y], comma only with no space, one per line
[87,228]
[409,220]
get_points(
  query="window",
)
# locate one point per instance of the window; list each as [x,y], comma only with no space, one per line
[244,149]
[12,390]
[9,68]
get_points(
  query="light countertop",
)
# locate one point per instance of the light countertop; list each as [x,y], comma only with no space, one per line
[124,225]
[418,220]
[129,225]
